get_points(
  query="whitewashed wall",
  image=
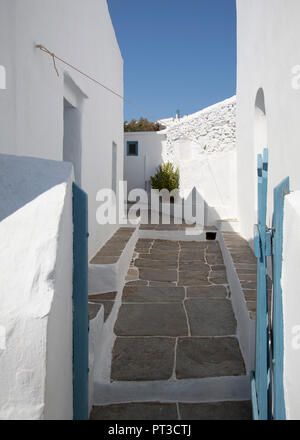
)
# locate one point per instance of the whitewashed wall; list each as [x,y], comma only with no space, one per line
[36,234]
[138,169]
[31,107]
[268,98]
[268,36]
[291,304]
[203,147]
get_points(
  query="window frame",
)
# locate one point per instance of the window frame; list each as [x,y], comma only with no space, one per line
[136,146]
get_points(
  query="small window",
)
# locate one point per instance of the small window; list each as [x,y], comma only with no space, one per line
[132,148]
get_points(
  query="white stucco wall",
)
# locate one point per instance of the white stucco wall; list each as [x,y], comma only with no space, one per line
[31,107]
[138,169]
[268,98]
[203,146]
[291,304]
[268,32]
[36,234]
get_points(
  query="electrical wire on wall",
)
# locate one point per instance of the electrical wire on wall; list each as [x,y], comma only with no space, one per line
[55,57]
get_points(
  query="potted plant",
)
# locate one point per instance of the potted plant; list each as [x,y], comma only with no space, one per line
[166,177]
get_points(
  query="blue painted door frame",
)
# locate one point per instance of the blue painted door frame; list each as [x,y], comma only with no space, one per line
[267,379]
[277,344]
[80,304]
[259,381]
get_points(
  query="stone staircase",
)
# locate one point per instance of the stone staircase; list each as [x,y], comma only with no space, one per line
[175,353]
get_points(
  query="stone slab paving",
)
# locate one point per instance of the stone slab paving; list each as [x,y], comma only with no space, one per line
[216,411]
[158,294]
[106,300]
[175,300]
[245,264]
[93,310]
[136,411]
[175,322]
[140,359]
[112,250]
[145,319]
[167,223]
[240,410]
[208,357]
[209,317]
[158,274]
[207,292]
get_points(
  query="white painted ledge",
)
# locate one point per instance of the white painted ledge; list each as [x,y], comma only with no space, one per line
[245,325]
[193,390]
[103,278]
[36,235]
[95,333]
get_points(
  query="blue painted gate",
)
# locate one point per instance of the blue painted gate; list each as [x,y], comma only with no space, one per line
[267,379]
[80,304]
[259,380]
[277,323]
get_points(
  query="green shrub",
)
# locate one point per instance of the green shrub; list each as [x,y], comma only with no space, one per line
[166,177]
[141,125]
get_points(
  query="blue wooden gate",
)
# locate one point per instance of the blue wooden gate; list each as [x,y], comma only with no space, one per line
[267,379]
[80,304]
[259,381]
[277,331]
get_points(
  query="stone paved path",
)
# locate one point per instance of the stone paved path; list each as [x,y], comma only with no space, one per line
[174,411]
[176,322]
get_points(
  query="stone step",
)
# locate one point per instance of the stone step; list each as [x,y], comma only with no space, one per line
[95,302]
[229,225]
[108,268]
[186,390]
[175,333]
[228,410]
[161,358]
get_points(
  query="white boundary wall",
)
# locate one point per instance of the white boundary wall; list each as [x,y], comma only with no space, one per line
[291,304]
[36,318]
[31,107]
[268,32]
[139,169]
[268,96]
[203,146]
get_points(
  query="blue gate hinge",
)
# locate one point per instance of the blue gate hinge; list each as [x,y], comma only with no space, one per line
[87,234]
[268,243]
[257,250]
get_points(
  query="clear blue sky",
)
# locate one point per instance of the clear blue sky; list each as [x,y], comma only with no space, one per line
[178,54]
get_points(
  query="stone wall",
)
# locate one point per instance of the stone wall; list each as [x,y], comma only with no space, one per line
[203,146]
[213,129]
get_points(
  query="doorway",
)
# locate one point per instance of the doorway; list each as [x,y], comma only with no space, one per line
[72,142]
[260,134]
[114,170]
